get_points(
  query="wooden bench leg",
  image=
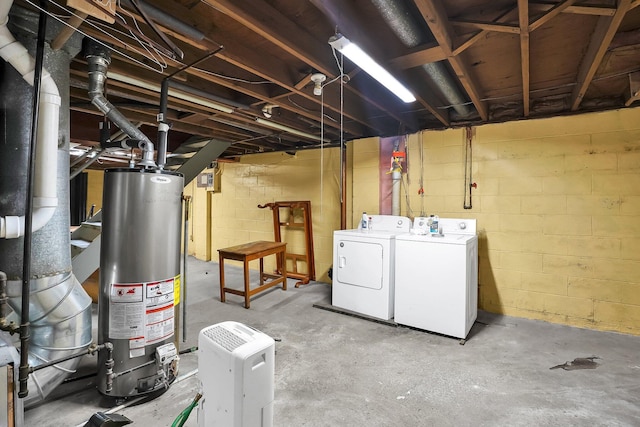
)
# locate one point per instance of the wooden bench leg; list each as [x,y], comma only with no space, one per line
[261,271]
[282,257]
[246,284]
[221,264]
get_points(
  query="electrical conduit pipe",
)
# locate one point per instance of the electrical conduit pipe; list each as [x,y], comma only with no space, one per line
[45,198]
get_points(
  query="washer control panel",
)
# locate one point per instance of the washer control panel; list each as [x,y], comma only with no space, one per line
[458,225]
[421,225]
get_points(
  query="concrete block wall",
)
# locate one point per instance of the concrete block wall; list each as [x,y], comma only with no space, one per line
[557,205]
[94,189]
[558,211]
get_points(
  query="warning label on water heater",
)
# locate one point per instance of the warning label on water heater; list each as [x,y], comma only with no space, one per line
[143,312]
[159,311]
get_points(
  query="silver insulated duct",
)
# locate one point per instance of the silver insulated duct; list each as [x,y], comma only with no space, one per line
[60,309]
[408,31]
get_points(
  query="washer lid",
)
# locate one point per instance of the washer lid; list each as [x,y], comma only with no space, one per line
[451,238]
[367,234]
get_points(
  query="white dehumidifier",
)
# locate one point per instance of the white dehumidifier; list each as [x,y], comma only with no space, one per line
[236,370]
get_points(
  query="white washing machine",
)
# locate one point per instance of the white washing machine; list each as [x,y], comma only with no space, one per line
[363,266]
[436,281]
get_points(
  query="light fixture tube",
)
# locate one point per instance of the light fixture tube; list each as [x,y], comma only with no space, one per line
[287,129]
[180,95]
[370,66]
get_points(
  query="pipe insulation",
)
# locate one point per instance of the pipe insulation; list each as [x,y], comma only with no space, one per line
[167,20]
[404,25]
[59,308]
[98,60]
[45,199]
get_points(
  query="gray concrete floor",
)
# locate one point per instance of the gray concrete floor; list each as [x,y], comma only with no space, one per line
[333,369]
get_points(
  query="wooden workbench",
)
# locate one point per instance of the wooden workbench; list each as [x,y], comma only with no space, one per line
[249,252]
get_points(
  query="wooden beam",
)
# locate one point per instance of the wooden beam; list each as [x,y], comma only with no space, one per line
[578,10]
[523,18]
[271,69]
[276,70]
[103,10]
[418,58]
[555,11]
[592,10]
[303,82]
[180,12]
[265,20]
[67,31]
[634,89]
[605,30]
[505,17]
[436,18]
[488,26]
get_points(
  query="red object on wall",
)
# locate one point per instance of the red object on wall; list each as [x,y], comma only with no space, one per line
[387,153]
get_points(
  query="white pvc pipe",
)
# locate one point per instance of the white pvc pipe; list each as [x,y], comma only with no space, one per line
[45,198]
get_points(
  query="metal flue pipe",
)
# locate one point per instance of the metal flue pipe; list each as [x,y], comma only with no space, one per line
[98,60]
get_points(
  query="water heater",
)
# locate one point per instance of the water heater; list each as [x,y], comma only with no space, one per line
[236,370]
[139,280]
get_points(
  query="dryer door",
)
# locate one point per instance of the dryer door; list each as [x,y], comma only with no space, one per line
[360,263]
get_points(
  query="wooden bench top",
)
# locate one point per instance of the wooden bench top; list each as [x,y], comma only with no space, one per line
[252,249]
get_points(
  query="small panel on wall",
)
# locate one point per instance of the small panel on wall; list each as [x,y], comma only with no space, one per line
[210,181]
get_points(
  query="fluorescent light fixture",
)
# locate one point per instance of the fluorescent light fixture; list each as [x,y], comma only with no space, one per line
[287,129]
[370,66]
[180,95]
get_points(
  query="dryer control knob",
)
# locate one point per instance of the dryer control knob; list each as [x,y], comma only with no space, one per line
[462,225]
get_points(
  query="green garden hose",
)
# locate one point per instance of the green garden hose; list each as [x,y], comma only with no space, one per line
[184,415]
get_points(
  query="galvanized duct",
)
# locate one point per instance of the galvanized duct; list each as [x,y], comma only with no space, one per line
[98,60]
[409,32]
[60,312]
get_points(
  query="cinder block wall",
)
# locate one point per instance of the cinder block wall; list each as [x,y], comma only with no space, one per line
[557,205]
[265,178]
[94,189]
[558,211]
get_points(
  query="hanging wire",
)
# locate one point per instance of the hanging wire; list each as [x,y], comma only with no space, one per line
[406,195]
[233,79]
[421,180]
[295,104]
[156,54]
[160,67]
[321,150]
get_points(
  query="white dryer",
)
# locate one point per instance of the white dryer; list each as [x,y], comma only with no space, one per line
[437,277]
[363,266]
